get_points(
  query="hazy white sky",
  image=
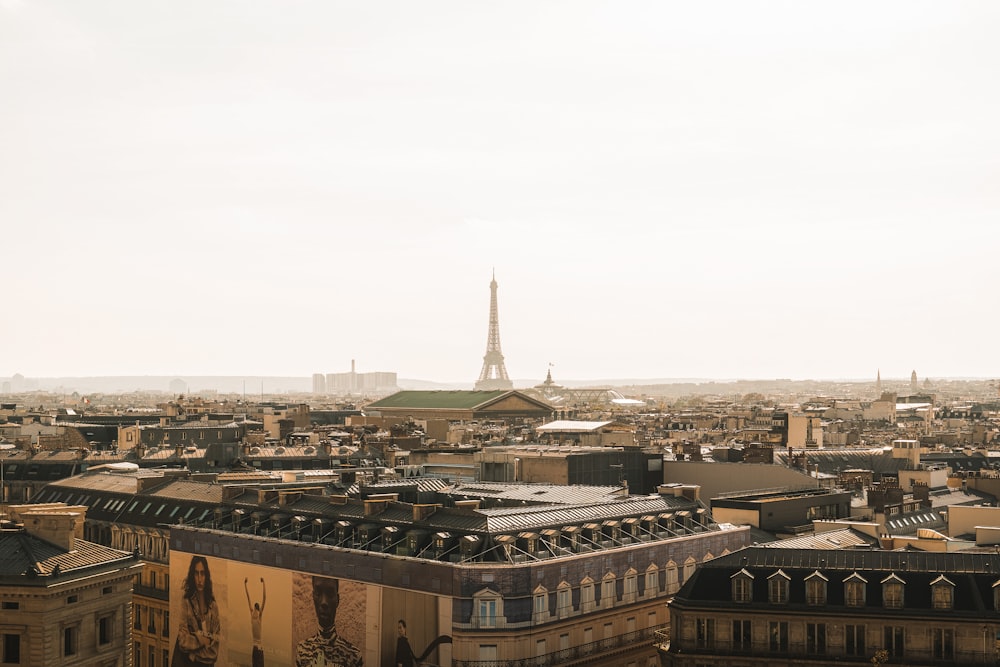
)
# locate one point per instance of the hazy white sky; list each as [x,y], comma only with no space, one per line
[666,189]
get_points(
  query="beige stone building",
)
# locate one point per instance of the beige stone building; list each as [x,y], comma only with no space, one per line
[65,601]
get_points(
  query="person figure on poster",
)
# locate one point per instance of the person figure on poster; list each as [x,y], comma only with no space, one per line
[198,633]
[256,622]
[326,648]
[404,654]
[405,657]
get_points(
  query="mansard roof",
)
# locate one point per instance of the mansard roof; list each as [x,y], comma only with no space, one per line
[973,575]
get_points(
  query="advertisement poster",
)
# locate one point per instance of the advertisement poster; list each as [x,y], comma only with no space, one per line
[235,614]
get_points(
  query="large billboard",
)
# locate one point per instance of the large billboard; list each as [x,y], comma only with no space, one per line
[229,613]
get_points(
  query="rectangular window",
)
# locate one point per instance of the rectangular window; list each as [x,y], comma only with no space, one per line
[104,630]
[944,643]
[816,638]
[10,605]
[892,640]
[854,639]
[137,617]
[892,596]
[942,596]
[11,649]
[69,641]
[816,591]
[165,629]
[166,658]
[742,639]
[487,651]
[778,636]
[779,590]
[741,589]
[137,652]
[540,604]
[854,593]
[705,632]
[487,613]
[565,602]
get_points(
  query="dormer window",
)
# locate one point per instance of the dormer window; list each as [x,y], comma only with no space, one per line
[892,592]
[777,587]
[742,583]
[564,599]
[652,581]
[630,589]
[942,593]
[587,601]
[540,604]
[854,590]
[816,589]
[487,609]
[608,592]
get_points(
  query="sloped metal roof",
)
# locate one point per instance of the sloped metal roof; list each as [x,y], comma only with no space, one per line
[21,551]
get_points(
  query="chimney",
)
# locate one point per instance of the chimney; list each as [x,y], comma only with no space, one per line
[289,497]
[60,527]
[373,507]
[421,512]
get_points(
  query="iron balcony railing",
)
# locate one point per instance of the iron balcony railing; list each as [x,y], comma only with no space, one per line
[594,651]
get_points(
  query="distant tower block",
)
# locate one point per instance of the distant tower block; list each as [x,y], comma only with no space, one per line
[494,373]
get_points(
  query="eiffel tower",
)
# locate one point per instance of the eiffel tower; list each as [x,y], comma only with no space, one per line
[494,374]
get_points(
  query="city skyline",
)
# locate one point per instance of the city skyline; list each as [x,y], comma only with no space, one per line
[745,190]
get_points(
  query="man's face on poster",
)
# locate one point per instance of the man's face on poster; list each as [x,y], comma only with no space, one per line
[326,597]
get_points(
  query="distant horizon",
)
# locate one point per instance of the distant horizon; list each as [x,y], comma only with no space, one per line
[737,189]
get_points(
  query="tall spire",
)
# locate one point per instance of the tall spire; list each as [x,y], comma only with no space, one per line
[878,383]
[494,373]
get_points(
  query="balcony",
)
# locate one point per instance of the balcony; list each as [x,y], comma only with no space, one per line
[598,652]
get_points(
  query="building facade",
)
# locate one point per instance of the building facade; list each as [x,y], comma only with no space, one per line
[65,601]
[786,606]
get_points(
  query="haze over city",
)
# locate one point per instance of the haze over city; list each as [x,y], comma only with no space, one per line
[664,190]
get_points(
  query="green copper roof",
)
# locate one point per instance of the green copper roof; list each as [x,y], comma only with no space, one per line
[438,400]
